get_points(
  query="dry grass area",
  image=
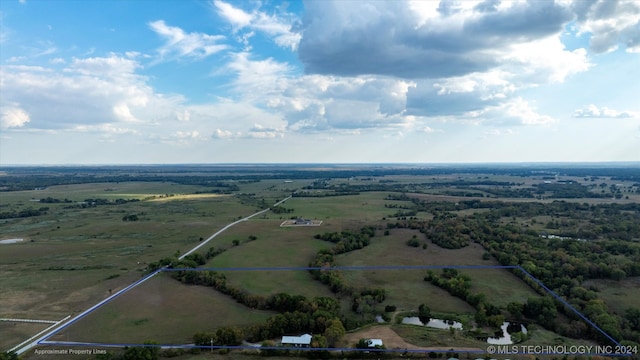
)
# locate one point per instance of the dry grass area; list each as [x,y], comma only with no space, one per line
[13,333]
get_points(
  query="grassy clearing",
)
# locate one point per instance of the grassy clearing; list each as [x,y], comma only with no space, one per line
[429,337]
[340,210]
[500,286]
[618,295]
[407,289]
[275,247]
[162,310]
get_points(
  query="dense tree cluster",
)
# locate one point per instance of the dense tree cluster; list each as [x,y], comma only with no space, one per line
[281,210]
[23,213]
[459,285]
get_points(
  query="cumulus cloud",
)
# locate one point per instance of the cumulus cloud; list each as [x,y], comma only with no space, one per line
[221,134]
[13,116]
[89,91]
[610,23]
[404,40]
[516,111]
[178,43]
[260,132]
[592,111]
[278,27]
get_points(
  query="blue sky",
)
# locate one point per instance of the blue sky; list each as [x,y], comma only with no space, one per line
[130,82]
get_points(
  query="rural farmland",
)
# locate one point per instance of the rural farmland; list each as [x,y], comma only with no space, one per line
[375,241]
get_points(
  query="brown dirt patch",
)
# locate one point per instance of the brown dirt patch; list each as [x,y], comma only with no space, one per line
[390,339]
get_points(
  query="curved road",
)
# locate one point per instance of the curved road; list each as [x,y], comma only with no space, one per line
[42,338]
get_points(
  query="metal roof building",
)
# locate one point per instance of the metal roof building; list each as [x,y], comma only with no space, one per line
[302,340]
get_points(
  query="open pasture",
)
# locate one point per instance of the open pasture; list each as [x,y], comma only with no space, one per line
[79,192]
[342,211]
[618,295]
[275,246]
[72,256]
[13,333]
[163,310]
[407,289]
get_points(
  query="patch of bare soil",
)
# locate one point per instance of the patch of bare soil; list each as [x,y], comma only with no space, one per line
[390,339]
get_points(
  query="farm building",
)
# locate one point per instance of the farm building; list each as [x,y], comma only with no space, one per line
[297,341]
[302,221]
[373,343]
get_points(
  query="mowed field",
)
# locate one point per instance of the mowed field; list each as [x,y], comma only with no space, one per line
[163,310]
[275,247]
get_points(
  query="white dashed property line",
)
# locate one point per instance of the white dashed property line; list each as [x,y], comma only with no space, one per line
[40,333]
[86,312]
[30,321]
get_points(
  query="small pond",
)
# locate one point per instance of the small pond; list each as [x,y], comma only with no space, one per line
[433,323]
[505,339]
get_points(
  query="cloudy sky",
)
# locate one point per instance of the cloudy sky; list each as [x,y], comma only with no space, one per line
[114,82]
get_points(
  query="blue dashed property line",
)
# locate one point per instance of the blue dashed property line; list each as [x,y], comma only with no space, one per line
[245,347]
[96,307]
[379,267]
[347,268]
[557,297]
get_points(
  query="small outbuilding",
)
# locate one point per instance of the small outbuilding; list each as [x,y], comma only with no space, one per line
[374,343]
[297,341]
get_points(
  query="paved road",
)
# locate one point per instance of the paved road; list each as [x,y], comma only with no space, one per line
[118,293]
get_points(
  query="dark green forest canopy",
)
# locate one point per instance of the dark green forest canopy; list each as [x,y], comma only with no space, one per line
[22,178]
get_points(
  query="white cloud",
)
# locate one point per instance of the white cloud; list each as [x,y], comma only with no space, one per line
[543,61]
[610,23]
[593,111]
[16,59]
[237,17]
[88,91]
[178,43]
[183,115]
[257,78]
[498,132]
[12,116]
[516,111]
[222,134]
[276,26]
[260,132]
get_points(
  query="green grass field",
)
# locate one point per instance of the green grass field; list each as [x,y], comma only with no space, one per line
[407,289]
[275,247]
[71,257]
[618,295]
[162,310]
